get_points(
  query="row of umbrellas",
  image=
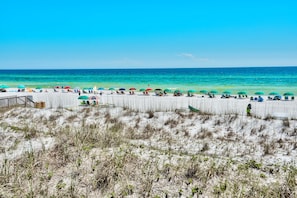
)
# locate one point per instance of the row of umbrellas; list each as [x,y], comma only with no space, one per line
[3,86]
[245,93]
[201,91]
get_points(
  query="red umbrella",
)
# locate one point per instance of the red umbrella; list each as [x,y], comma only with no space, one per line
[57,87]
[132,89]
[149,89]
[67,87]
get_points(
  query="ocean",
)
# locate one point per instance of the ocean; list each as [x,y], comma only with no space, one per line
[252,79]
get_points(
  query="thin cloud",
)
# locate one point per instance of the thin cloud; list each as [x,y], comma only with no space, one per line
[186,55]
[192,56]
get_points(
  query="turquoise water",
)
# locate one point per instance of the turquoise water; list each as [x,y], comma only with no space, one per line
[267,79]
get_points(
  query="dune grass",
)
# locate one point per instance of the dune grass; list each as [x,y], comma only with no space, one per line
[112,152]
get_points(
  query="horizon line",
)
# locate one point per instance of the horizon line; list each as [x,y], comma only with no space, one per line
[104,68]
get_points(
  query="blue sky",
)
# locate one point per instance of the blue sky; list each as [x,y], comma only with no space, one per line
[134,34]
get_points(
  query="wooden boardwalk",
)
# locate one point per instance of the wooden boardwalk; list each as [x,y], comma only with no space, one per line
[11,101]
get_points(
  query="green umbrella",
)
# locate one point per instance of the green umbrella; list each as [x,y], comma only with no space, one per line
[204,91]
[142,89]
[167,90]
[21,86]
[288,94]
[178,91]
[259,93]
[214,91]
[274,93]
[111,89]
[242,93]
[191,91]
[83,97]
[227,92]
[4,86]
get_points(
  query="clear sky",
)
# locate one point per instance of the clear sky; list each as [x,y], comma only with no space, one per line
[133,33]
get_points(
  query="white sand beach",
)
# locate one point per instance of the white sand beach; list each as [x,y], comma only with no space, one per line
[144,103]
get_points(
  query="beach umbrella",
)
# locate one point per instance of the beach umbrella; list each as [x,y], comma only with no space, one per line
[227,92]
[100,88]
[83,97]
[38,87]
[167,90]
[67,87]
[57,87]
[288,94]
[149,89]
[21,86]
[132,89]
[122,89]
[214,91]
[111,89]
[242,93]
[178,91]
[158,91]
[191,91]
[142,89]
[94,98]
[274,93]
[203,91]
[259,93]
[4,86]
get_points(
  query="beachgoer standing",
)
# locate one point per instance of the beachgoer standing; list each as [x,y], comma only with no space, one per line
[248,109]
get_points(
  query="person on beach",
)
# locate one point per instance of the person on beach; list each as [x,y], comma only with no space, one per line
[248,109]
